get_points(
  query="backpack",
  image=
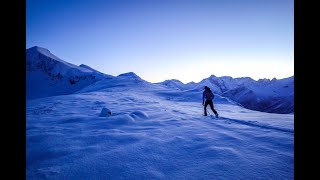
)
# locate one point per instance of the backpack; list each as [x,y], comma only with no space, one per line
[209,95]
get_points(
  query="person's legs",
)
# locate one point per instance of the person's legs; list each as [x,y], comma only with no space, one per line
[213,110]
[205,107]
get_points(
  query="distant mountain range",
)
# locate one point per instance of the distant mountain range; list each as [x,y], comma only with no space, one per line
[48,75]
[275,96]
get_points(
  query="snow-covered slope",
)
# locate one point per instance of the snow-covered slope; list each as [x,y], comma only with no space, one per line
[173,83]
[154,132]
[89,68]
[263,95]
[133,83]
[48,75]
[121,82]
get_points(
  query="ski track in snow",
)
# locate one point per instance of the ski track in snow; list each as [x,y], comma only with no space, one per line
[150,137]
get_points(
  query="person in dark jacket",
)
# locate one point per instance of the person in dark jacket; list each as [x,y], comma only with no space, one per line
[208,96]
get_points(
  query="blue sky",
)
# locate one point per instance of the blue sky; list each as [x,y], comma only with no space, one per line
[162,39]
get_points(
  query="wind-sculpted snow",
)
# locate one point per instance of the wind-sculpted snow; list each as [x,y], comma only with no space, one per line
[153,133]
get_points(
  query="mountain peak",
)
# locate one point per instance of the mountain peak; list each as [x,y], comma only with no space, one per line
[39,49]
[212,76]
[43,51]
[173,80]
[88,67]
[130,75]
[247,79]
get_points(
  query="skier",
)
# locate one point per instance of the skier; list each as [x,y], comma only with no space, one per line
[208,95]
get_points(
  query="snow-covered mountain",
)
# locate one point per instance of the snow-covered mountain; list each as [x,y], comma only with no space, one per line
[276,96]
[265,95]
[173,83]
[90,68]
[121,82]
[48,75]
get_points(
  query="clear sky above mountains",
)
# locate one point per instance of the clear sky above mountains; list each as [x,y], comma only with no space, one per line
[159,40]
